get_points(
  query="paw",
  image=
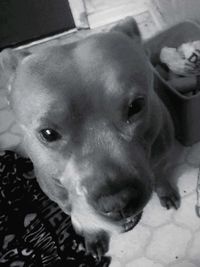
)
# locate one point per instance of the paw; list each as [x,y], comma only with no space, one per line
[97,244]
[169,197]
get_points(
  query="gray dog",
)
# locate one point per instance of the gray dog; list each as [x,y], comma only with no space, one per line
[97,133]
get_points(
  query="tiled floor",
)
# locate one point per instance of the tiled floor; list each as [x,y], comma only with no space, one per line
[163,238]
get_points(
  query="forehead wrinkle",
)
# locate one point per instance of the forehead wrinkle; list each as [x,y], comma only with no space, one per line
[33,105]
[51,68]
[40,97]
[107,68]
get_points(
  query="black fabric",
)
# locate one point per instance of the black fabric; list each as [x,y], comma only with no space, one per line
[34,232]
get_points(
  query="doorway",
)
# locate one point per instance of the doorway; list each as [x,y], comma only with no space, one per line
[22,21]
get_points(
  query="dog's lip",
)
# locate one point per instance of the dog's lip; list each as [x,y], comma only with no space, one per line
[130,222]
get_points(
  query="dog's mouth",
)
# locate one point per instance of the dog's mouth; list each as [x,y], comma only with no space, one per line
[130,222]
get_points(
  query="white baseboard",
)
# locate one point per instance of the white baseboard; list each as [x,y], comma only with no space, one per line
[47,39]
[103,17]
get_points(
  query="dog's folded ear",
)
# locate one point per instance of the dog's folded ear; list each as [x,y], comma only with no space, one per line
[9,61]
[129,27]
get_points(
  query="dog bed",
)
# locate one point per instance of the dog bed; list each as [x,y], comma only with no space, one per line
[34,232]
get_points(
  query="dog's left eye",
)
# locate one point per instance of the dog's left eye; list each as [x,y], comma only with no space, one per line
[135,107]
[50,135]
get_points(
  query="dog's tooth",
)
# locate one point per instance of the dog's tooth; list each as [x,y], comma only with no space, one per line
[130,219]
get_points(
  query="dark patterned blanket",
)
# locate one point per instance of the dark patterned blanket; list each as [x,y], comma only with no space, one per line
[34,232]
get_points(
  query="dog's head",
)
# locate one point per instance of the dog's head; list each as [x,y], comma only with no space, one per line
[86,114]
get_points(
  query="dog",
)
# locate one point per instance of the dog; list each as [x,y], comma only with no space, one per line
[97,133]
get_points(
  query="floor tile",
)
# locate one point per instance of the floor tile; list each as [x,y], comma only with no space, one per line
[168,243]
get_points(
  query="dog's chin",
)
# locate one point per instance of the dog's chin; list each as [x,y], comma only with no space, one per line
[129,223]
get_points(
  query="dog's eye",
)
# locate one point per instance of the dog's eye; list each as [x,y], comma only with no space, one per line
[135,107]
[50,135]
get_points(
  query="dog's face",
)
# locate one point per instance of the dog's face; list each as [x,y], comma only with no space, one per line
[85,112]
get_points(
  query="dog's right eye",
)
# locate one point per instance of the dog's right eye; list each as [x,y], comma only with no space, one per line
[49,135]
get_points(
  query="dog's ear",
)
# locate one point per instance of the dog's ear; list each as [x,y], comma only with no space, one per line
[9,61]
[129,27]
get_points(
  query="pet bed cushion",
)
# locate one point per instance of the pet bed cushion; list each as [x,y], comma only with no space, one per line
[34,232]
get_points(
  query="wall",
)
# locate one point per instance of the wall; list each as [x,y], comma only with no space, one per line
[104,12]
[163,12]
[169,12]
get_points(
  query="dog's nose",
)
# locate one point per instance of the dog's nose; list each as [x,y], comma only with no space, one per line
[126,202]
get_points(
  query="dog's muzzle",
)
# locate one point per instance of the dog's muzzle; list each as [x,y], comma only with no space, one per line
[122,206]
